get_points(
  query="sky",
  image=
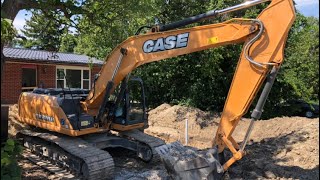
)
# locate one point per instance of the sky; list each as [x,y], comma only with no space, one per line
[306,7]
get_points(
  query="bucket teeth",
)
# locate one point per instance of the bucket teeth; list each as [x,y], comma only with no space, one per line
[165,149]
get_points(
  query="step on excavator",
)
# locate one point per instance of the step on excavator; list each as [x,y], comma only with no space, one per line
[75,127]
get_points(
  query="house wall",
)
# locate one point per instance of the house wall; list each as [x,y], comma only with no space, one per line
[11,83]
[11,86]
[46,76]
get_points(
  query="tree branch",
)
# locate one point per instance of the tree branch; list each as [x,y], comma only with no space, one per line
[10,8]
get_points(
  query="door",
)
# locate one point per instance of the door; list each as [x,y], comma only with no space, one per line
[135,102]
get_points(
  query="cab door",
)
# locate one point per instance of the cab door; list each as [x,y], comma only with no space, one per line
[131,107]
[135,102]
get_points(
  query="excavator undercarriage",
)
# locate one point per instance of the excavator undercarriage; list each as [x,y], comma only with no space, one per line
[87,156]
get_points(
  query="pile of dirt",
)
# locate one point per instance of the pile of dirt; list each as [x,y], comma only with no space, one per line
[279,148]
[14,125]
[282,148]
[168,122]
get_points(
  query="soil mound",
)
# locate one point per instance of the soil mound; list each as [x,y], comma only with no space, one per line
[279,148]
[14,125]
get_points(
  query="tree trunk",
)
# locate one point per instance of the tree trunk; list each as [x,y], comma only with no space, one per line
[2,61]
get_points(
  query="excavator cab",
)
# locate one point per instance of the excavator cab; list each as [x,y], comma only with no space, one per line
[131,109]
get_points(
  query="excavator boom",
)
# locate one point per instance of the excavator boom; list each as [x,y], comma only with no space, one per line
[157,46]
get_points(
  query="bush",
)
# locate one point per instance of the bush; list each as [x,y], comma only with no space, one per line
[10,151]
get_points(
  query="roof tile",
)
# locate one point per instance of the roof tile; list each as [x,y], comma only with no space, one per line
[40,55]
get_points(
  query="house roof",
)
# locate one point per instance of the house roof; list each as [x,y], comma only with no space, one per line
[30,55]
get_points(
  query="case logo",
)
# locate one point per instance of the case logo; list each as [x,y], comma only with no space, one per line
[168,43]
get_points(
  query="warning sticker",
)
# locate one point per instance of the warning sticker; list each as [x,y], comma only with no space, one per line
[213,40]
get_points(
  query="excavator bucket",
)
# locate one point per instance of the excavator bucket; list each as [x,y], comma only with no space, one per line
[188,163]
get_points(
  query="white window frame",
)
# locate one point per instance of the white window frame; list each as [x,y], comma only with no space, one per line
[73,68]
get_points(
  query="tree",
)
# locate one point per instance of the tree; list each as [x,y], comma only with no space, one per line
[113,22]
[48,31]
[302,54]
[68,42]
[8,32]
[43,32]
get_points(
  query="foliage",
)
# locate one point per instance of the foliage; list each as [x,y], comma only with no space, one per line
[10,151]
[302,54]
[68,42]
[44,33]
[113,22]
[90,63]
[299,75]
[8,32]
[47,31]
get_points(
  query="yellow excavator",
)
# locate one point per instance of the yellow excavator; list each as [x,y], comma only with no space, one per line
[83,124]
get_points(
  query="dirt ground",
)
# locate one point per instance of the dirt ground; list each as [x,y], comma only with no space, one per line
[279,148]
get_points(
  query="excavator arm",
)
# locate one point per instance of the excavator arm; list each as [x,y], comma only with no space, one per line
[264,40]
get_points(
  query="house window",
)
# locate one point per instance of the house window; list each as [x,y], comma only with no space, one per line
[73,77]
[60,78]
[29,77]
[86,79]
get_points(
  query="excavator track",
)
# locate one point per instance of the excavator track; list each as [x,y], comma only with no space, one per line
[85,156]
[151,141]
[76,154]
[55,171]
